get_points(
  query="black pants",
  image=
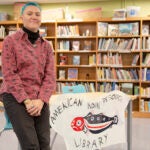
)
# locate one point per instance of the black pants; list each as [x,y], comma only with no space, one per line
[33,132]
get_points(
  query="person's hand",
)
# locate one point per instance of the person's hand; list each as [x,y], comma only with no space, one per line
[37,107]
[28,104]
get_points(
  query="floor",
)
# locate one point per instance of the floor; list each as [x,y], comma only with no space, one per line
[140,137]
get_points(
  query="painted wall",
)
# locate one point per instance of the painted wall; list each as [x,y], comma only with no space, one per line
[107,6]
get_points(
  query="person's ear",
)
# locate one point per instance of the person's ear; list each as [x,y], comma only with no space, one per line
[21,17]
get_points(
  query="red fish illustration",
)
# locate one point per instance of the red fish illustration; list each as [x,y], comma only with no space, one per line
[93,123]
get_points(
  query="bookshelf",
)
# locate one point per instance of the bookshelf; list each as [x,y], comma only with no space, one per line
[121,63]
[76,40]
[117,48]
[144,67]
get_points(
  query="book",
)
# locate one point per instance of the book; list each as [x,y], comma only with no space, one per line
[92,59]
[141,105]
[101,43]
[145,29]
[144,70]
[129,28]
[127,88]
[2,31]
[147,46]
[62,73]
[133,11]
[75,45]
[102,28]
[136,90]
[149,106]
[125,29]
[135,28]
[64,45]
[63,59]
[129,44]
[92,87]
[134,73]
[114,86]
[43,31]
[76,60]
[146,59]
[100,74]
[135,59]
[119,14]
[113,29]
[11,30]
[148,75]
[87,45]
[146,109]
[73,73]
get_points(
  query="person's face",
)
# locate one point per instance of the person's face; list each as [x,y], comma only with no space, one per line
[31,18]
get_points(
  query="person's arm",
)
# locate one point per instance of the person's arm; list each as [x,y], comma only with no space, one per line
[12,80]
[49,81]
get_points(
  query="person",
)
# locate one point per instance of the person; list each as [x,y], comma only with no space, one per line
[28,80]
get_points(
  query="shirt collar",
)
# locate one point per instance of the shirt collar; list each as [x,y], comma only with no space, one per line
[22,34]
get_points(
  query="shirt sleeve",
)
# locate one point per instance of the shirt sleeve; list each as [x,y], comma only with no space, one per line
[49,81]
[12,80]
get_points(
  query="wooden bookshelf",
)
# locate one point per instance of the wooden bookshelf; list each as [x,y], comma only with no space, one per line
[100,66]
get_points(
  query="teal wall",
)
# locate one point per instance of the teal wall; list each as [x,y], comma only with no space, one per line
[107,6]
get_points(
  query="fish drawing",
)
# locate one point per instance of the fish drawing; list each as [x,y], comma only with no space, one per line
[95,123]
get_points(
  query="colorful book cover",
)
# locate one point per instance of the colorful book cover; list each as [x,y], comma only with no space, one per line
[43,31]
[62,74]
[102,28]
[148,106]
[63,59]
[113,29]
[76,60]
[75,45]
[127,88]
[135,75]
[136,90]
[73,73]
[148,75]
[146,109]
[145,29]
[135,28]
[87,45]
[141,105]
[119,14]
[125,29]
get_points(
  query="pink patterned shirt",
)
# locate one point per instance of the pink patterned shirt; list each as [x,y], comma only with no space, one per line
[28,69]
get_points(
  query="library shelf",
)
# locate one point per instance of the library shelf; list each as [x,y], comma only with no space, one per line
[118,58]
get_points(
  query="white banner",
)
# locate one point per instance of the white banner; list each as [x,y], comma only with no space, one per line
[89,121]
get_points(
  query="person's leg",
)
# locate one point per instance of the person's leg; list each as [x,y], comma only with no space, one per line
[23,124]
[42,126]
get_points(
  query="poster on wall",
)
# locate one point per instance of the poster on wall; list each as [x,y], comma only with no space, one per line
[89,121]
